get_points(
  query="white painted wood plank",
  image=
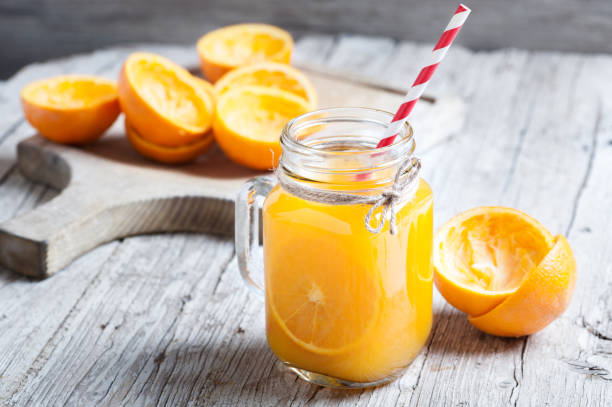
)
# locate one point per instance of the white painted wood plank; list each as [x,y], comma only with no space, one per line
[573,355]
[358,54]
[35,311]
[313,50]
[512,125]
[129,316]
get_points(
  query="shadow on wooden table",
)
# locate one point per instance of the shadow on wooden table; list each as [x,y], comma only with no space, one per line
[452,334]
[114,146]
[8,276]
[243,371]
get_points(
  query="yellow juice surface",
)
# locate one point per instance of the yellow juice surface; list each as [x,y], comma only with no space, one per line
[340,300]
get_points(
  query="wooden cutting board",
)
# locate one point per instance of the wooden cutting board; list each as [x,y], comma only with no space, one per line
[109,191]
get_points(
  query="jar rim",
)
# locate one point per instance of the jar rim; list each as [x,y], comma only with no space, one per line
[406,133]
[337,146]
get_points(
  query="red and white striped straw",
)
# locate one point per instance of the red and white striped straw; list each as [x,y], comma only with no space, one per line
[420,83]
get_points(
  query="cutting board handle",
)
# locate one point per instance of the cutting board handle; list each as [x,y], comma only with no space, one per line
[99,202]
[46,239]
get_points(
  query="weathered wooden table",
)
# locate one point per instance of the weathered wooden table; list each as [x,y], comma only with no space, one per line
[165,320]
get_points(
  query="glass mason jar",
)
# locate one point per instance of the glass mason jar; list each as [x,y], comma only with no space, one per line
[348,303]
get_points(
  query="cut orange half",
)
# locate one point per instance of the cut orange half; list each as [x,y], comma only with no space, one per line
[73,109]
[163,101]
[270,74]
[249,120]
[242,44]
[168,155]
[488,258]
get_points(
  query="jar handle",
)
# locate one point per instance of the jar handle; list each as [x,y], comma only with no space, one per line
[248,205]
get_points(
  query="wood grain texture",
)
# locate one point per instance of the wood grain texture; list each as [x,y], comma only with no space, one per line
[165,320]
[39,29]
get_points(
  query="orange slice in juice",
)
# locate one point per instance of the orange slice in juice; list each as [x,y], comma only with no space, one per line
[71,109]
[325,310]
[163,101]
[242,44]
[504,269]
[249,120]
[270,74]
[168,155]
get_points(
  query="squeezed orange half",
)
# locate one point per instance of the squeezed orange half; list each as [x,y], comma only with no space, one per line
[504,269]
[71,109]
[342,301]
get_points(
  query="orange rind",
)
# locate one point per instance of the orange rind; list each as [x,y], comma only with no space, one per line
[72,109]
[164,103]
[168,155]
[237,45]
[272,75]
[249,120]
[504,269]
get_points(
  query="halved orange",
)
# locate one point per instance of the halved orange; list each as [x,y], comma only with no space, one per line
[164,102]
[270,74]
[168,155]
[242,44]
[504,269]
[249,120]
[72,109]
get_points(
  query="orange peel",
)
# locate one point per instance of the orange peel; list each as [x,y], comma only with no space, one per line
[248,123]
[273,75]
[71,109]
[164,103]
[504,269]
[237,45]
[168,155]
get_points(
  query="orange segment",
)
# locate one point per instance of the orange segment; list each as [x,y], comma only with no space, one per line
[242,44]
[323,312]
[486,258]
[168,155]
[71,109]
[249,120]
[163,101]
[270,74]
[540,299]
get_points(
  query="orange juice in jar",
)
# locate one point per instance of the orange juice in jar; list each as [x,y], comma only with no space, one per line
[348,302]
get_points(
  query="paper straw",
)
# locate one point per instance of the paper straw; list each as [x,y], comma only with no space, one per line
[420,83]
